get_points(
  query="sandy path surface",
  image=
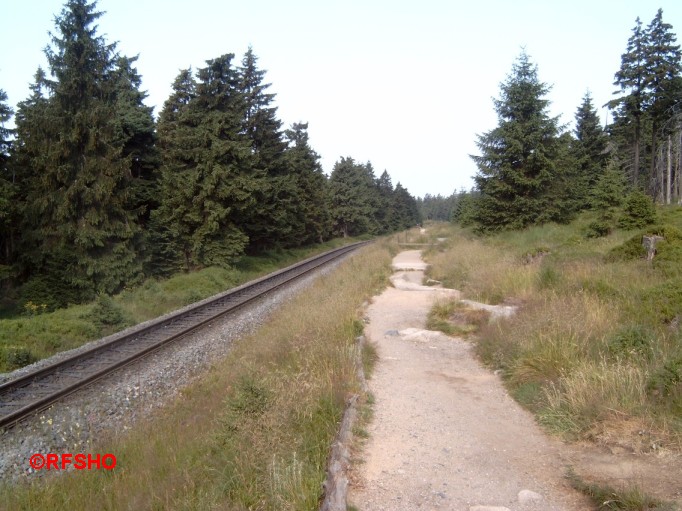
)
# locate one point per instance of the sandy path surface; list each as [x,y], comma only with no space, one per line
[445,435]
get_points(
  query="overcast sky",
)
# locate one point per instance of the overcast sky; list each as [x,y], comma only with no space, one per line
[405,85]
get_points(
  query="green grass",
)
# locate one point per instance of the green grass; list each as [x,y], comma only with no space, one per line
[456,319]
[256,430]
[32,335]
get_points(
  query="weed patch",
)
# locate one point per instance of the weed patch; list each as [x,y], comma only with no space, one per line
[455,318]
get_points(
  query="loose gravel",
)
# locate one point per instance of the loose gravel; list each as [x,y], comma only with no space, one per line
[116,402]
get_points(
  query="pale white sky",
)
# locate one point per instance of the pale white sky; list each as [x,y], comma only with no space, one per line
[406,85]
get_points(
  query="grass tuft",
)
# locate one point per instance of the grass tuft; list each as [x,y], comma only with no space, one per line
[624,499]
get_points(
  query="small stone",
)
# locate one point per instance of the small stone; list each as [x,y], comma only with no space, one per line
[529,497]
[489,508]
[392,333]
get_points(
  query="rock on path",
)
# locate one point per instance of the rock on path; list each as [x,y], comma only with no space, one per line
[445,435]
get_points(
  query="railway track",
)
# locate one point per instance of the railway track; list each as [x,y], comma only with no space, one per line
[38,389]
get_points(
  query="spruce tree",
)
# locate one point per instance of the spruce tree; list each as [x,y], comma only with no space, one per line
[517,164]
[312,208]
[588,150]
[260,123]
[405,206]
[663,80]
[353,200]
[630,109]
[387,217]
[137,131]
[169,236]
[77,202]
[7,190]
[274,220]
[207,171]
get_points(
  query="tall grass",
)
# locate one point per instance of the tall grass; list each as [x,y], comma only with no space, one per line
[596,349]
[255,432]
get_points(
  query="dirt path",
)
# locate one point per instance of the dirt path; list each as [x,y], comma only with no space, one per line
[445,435]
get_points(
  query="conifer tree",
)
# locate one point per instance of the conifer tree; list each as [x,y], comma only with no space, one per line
[137,131]
[405,207]
[275,218]
[207,172]
[169,236]
[650,78]
[7,190]
[353,200]
[312,208]
[588,150]
[386,213]
[82,232]
[518,160]
[663,80]
[630,109]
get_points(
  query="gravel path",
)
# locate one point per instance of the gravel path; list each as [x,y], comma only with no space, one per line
[116,402]
[445,435]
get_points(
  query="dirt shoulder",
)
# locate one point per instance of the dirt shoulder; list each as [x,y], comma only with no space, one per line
[445,434]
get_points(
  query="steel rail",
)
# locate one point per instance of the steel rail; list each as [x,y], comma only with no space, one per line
[38,389]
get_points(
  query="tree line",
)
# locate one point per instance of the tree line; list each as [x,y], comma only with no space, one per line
[96,194]
[532,170]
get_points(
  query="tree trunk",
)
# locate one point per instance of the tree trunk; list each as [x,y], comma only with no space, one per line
[668,187]
[635,176]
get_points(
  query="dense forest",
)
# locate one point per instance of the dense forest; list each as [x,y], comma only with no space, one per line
[97,194]
[531,170]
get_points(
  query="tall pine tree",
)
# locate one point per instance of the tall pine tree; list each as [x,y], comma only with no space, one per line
[313,218]
[207,169]
[663,83]
[81,232]
[589,149]
[353,198]
[518,158]
[275,218]
[630,109]
[7,190]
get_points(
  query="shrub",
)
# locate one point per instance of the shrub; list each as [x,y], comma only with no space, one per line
[631,342]
[598,229]
[108,314]
[668,379]
[638,211]
[12,357]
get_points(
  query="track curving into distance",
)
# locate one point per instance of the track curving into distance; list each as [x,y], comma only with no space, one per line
[38,389]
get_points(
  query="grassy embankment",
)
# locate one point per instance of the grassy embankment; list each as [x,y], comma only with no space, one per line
[29,334]
[595,350]
[255,432]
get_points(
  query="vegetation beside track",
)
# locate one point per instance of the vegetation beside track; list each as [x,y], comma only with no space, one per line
[255,432]
[31,334]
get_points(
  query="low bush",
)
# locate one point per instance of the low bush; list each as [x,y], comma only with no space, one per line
[14,357]
[638,211]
